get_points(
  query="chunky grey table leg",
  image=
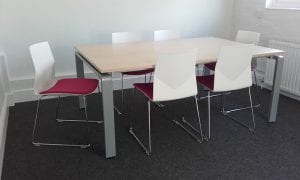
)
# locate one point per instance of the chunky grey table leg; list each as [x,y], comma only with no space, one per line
[276,88]
[108,115]
[80,74]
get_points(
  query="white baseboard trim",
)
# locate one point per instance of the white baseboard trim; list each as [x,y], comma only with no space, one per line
[3,127]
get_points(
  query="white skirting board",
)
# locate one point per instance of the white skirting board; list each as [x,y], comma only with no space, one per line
[3,127]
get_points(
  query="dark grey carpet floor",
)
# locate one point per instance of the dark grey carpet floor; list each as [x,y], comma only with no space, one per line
[272,152]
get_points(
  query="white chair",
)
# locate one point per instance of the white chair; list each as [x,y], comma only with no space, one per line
[247,37]
[129,37]
[46,85]
[232,72]
[125,37]
[168,85]
[163,35]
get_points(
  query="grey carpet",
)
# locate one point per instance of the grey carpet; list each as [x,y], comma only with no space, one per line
[272,152]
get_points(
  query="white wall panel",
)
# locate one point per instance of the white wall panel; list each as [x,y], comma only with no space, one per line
[70,22]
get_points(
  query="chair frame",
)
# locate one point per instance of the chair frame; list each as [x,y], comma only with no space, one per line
[148,149]
[36,143]
[240,37]
[46,76]
[241,108]
[227,112]
[160,95]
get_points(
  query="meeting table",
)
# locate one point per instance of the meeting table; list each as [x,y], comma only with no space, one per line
[105,59]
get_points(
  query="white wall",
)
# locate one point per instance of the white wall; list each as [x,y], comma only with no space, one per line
[272,24]
[70,22]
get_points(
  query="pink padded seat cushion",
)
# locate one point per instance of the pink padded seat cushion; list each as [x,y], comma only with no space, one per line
[81,86]
[207,81]
[145,88]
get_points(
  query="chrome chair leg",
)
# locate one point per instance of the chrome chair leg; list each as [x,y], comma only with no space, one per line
[209,96]
[122,81]
[240,109]
[117,110]
[223,103]
[252,112]
[214,95]
[86,120]
[186,129]
[208,114]
[198,131]
[35,120]
[35,143]
[58,103]
[157,103]
[257,91]
[85,112]
[226,113]
[249,107]
[131,131]
[149,126]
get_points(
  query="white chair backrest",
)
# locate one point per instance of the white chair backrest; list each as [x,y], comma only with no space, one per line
[248,37]
[125,37]
[174,76]
[233,68]
[163,35]
[43,62]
